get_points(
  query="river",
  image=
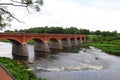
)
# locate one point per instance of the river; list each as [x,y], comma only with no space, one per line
[88,64]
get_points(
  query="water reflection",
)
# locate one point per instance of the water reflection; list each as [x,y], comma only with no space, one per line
[31,55]
[6,50]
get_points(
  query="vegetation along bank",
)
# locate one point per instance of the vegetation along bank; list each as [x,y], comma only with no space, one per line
[18,70]
[109,44]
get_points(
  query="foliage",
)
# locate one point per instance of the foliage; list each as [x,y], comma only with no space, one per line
[109,48]
[70,30]
[53,30]
[98,32]
[6,16]
[31,42]
[20,72]
[5,40]
[109,44]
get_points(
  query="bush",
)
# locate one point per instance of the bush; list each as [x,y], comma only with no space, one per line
[20,72]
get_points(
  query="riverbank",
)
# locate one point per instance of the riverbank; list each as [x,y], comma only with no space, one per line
[88,64]
[17,68]
[110,47]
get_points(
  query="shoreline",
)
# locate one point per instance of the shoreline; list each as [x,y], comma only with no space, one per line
[108,63]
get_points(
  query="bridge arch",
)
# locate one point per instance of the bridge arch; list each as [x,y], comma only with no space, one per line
[35,38]
[52,38]
[54,44]
[64,39]
[73,41]
[83,39]
[65,43]
[78,40]
[41,47]
[12,40]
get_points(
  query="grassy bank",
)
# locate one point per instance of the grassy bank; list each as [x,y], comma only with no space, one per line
[18,70]
[110,47]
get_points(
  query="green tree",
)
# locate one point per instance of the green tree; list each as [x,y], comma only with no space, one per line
[71,30]
[84,31]
[104,33]
[97,32]
[6,16]
[114,33]
[54,30]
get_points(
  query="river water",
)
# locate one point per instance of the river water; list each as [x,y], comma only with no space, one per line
[88,64]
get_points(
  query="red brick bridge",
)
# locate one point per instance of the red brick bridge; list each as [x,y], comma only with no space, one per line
[43,42]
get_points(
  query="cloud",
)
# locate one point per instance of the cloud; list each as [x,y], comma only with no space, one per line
[107,4]
[71,13]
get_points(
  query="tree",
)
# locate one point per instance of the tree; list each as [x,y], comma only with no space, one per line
[84,31]
[71,30]
[97,32]
[6,16]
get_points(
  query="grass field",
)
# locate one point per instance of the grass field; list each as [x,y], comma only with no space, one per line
[111,47]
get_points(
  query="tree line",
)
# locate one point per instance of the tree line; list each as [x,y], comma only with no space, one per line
[61,30]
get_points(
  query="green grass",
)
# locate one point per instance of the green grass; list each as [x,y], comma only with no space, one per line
[5,40]
[20,72]
[31,42]
[111,47]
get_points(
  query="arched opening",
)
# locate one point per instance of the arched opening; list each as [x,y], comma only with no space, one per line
[73,42]
[17,49]
[79,41]
[8,40]
[54,44]
[83,39]
[65,43]
[37,48]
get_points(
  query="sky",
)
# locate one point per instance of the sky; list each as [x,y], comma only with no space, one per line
[94,15]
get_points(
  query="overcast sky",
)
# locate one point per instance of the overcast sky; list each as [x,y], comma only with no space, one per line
[86,14]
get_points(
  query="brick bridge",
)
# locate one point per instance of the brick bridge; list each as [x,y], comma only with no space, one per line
[43,42]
